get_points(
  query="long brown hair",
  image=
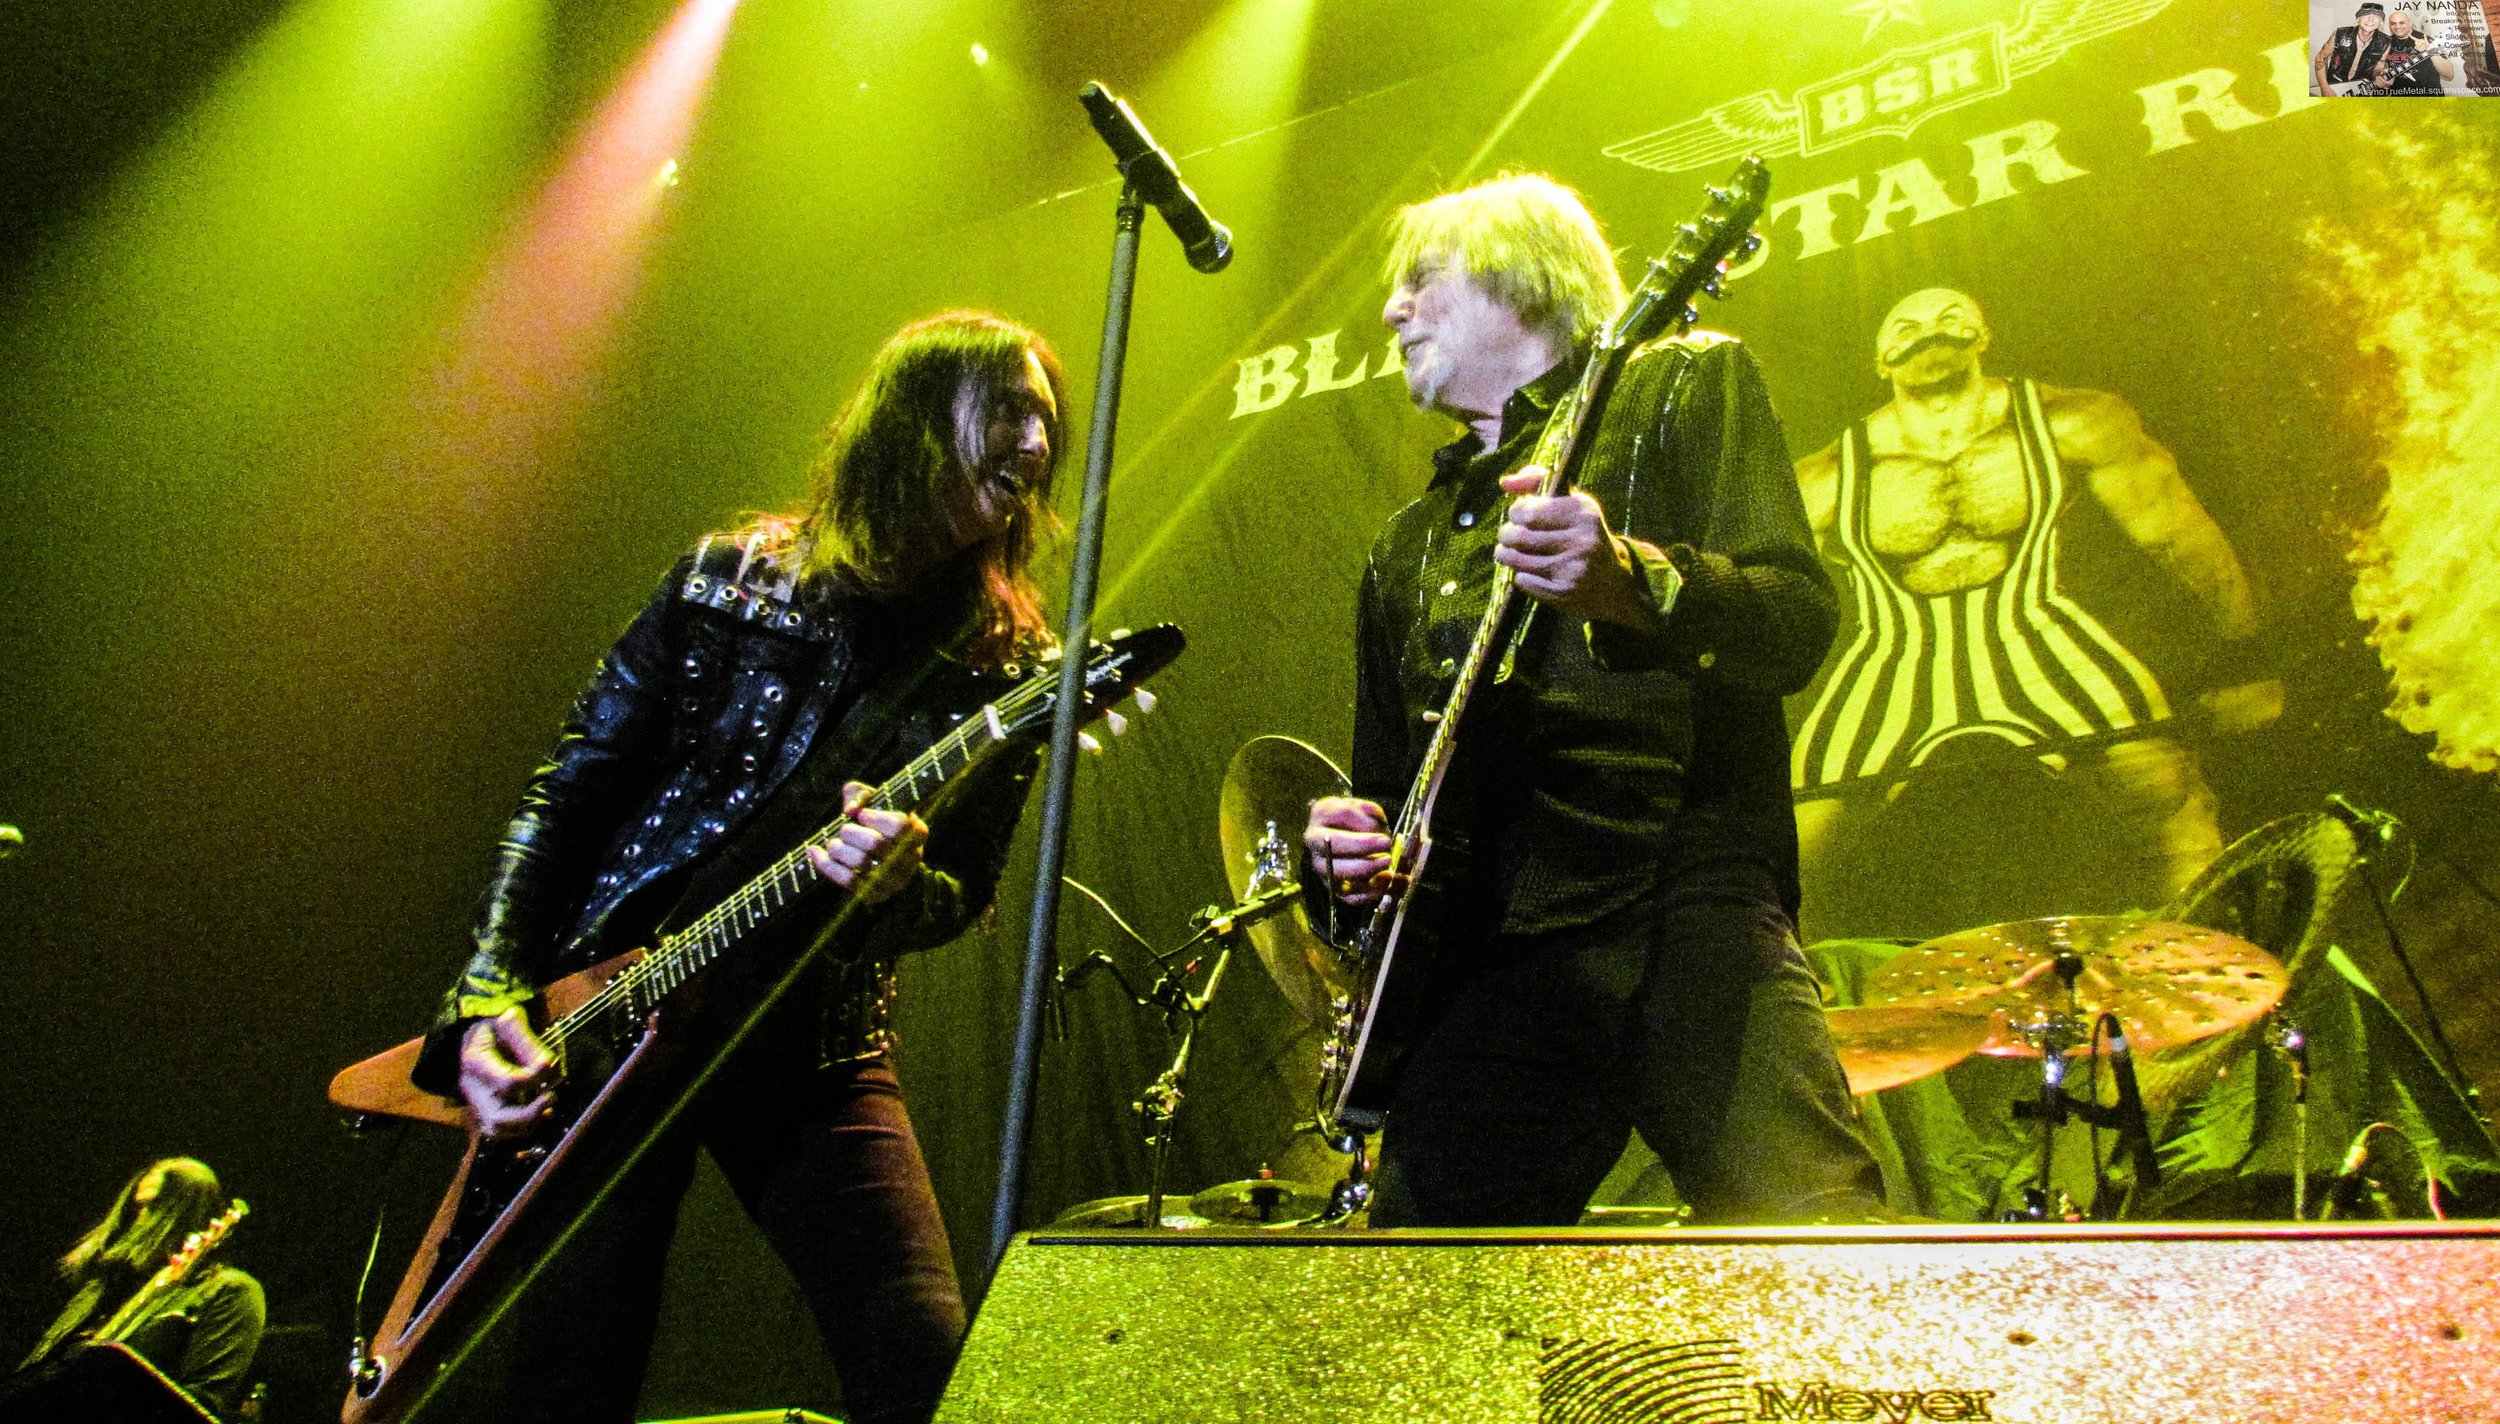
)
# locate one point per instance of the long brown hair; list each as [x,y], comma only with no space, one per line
[137,1236]
[876,509]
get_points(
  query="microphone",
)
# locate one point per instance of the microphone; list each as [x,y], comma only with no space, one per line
[1207,244]
[1219,920]
[2135,1132]
[12,840]
[1068,979]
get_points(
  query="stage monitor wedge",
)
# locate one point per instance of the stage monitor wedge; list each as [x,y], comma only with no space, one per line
[2151,1325]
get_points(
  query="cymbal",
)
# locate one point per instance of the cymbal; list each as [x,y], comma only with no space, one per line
[1886,1047]
[1122,1212]
[2168,983]
[1260,1201]
[1268,791]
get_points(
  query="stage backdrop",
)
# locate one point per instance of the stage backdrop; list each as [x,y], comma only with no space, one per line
[352,410]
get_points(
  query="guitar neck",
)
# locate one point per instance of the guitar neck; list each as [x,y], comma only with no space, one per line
[176,1269]
[790,879]
[1556,449]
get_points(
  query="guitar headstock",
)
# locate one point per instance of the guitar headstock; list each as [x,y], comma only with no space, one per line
[1116,667]
[199,1243]
[1697,262]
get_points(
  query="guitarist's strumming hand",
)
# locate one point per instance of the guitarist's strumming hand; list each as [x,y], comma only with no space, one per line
[1348,840]
[1561,553]
[507,1077]
[874,855]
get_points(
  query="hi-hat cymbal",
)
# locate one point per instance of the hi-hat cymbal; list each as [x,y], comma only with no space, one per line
[1260,1201]
[1886,1047]
[2169,984]
[1268,791]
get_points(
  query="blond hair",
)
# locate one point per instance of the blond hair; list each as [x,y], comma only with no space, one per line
[1526,239]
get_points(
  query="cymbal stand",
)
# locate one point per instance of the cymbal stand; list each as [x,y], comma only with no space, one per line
[1353,1191]
[2052,1032]
[2286,1038]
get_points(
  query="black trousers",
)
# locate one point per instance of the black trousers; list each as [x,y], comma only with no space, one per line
[1690,1018]
[824,1161]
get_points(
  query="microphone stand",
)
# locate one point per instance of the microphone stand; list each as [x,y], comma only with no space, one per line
[1159,1106]
[1041,950]
[1146,173]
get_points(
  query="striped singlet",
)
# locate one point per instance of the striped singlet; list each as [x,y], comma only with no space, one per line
[2015,658]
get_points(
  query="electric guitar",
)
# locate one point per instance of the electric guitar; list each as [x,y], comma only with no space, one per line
[637,1034]
[177,1268]
[1364,1043]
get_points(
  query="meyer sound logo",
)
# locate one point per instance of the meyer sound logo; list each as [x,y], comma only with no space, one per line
[1892,95]
[1706,1382]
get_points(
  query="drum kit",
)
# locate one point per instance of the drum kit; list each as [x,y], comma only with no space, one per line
[2060,991]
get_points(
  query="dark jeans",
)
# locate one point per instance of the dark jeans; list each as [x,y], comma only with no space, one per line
[824,1160]
[1690,1018]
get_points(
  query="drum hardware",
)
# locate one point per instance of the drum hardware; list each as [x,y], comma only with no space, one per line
[1269,787]
[1272,891]
[2285,1037]
[1263,1200]
[2053,988]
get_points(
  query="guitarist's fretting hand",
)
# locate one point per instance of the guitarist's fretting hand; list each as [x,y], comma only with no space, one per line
[1349,843]
[1561,553]
[507,1077]
[877,853]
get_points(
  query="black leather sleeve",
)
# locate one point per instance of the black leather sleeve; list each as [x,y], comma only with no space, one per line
[604,760]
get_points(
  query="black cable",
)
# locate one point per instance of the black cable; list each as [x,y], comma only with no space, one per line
[2404,961]
[1125,928]
[373,1244]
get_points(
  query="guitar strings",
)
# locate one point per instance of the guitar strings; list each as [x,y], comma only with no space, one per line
[676,950]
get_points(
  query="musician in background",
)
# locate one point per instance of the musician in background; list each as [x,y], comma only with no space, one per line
[909,563]
[1633,965]
[203,1332]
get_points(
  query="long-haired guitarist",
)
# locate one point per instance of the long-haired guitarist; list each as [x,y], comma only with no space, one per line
[202,1330]
[911,553]
[1617,953]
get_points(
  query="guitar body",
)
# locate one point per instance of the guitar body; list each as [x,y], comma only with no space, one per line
[100,1384]
[639,1034]
[1394,989]
[510,1199]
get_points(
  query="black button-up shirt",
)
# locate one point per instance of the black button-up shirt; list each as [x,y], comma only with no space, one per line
[1611,753]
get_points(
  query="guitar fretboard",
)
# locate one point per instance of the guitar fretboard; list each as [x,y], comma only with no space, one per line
[635,993]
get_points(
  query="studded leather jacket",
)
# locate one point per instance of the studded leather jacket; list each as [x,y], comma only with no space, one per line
[697,716]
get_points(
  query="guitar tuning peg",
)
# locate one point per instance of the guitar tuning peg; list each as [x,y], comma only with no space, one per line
[1751,245]
[1691,313]
[1719,195]
[1716,286]
[1145,700]
[1117,723]
[1119,633]
[1087,741]
[1688,230]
